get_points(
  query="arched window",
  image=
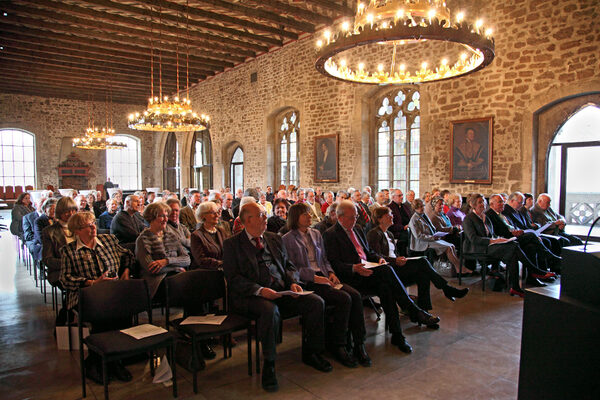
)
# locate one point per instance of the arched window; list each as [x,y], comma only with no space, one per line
[398,127]
[171,164]
[288,128]
[201,168]
[237,170]
[17,158]
[573,164]
[123,166]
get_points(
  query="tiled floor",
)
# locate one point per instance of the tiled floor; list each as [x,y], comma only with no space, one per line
[475,354]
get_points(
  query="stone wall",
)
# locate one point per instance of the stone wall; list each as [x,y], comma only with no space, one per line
[55,121]
[542,48]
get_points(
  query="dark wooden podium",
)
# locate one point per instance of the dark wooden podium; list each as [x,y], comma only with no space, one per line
[560,344]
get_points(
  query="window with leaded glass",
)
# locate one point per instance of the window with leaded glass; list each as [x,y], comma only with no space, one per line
[288,129]
[123,165]
[171,164]
[398,140]
[237,170]
[17,158]
[201,168]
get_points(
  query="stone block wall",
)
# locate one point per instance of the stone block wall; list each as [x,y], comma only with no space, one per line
[55,121]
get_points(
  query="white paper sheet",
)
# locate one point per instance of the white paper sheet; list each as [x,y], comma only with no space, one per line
[144,331]
[440,234]
[370,265]
[292,293]
[338,286]
[209,319]
[512,239]
[414,258]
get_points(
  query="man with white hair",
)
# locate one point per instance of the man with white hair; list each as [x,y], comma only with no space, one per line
[315,208]
[347,249]
[379,201]
[542,213]
[126,225]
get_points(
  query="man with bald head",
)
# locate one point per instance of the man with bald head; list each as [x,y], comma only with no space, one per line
[127,224]
[258,269]
[542,213]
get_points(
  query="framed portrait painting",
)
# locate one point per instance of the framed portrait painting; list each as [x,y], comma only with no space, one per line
[471,151]
[326,158]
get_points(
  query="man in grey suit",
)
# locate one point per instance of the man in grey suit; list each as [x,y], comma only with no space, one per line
[542,213]
[257,270]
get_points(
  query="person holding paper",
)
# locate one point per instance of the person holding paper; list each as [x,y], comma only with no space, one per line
[257,268]
[442,223]
[423,234]
[347,247]
[88,260]
[307,252]
[528,241]
[417,271]
[480,238]
[542,213]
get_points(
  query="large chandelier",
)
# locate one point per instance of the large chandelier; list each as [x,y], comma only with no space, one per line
[95,138]
[164,114]
[404,41]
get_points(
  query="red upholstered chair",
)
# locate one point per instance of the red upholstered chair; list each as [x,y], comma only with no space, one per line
[2,192]
[18,191]
[9,193]
[28,188]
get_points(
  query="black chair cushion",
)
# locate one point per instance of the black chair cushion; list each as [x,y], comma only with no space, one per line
[232,323]
[114,342]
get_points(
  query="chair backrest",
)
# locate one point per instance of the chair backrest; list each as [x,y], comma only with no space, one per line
[28,187]
[1,192]
[192,289]
[9,193]
[18,190]
[114,300]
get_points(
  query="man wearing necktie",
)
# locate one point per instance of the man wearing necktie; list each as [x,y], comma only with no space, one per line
[346,248]
[257,269]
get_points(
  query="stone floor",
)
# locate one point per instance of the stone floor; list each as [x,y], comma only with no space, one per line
[474,355]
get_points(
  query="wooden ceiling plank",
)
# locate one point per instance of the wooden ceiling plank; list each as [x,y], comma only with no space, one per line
[305,14]
[191,22]
[66,94]
[197,12]
[334,6]
[16,31]
[68,17]
[102,57]
[101,67]
[261,14]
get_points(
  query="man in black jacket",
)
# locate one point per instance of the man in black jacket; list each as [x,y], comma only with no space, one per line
[346,247]
[126,226]
[257,270]
[533,248]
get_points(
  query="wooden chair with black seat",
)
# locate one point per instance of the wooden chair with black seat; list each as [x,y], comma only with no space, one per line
[479,258]
[191,290]
[110,304]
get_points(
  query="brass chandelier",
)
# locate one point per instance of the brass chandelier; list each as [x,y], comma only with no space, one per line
[402,42]
[95,138]
[164,114]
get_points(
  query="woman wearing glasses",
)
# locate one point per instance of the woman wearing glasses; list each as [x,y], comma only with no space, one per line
[207,240]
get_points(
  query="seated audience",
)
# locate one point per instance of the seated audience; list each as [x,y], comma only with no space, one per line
[364,219]
[238,226]
[82,203]
[269,195]
[187,215]
[455,215]
[401,220]
[91,201]
[278,220]
[423,235]
[151,197]
[542,213]
[29,223]
[227,213]
[257,269]
[531,245]
[158,250]
[408,204]
[105,219]
[417,271]
[479,238]
[207,240]
[379,201]
[314,208]
[306,251]
[126,225]
[175,226]
[21,208]
[442,223]
[47,218]
[87,260]
[445,195]
[55,236]
[346,247]
[329,220]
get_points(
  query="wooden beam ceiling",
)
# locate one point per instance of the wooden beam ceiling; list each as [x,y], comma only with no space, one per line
[68,48]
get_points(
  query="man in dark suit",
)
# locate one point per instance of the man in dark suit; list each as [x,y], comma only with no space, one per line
[542,213]
[522,222]
[401,219]
[346,247]
[533,248]
[125,225]
[363,213]
[257,270]
[227,213]
[479,233]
